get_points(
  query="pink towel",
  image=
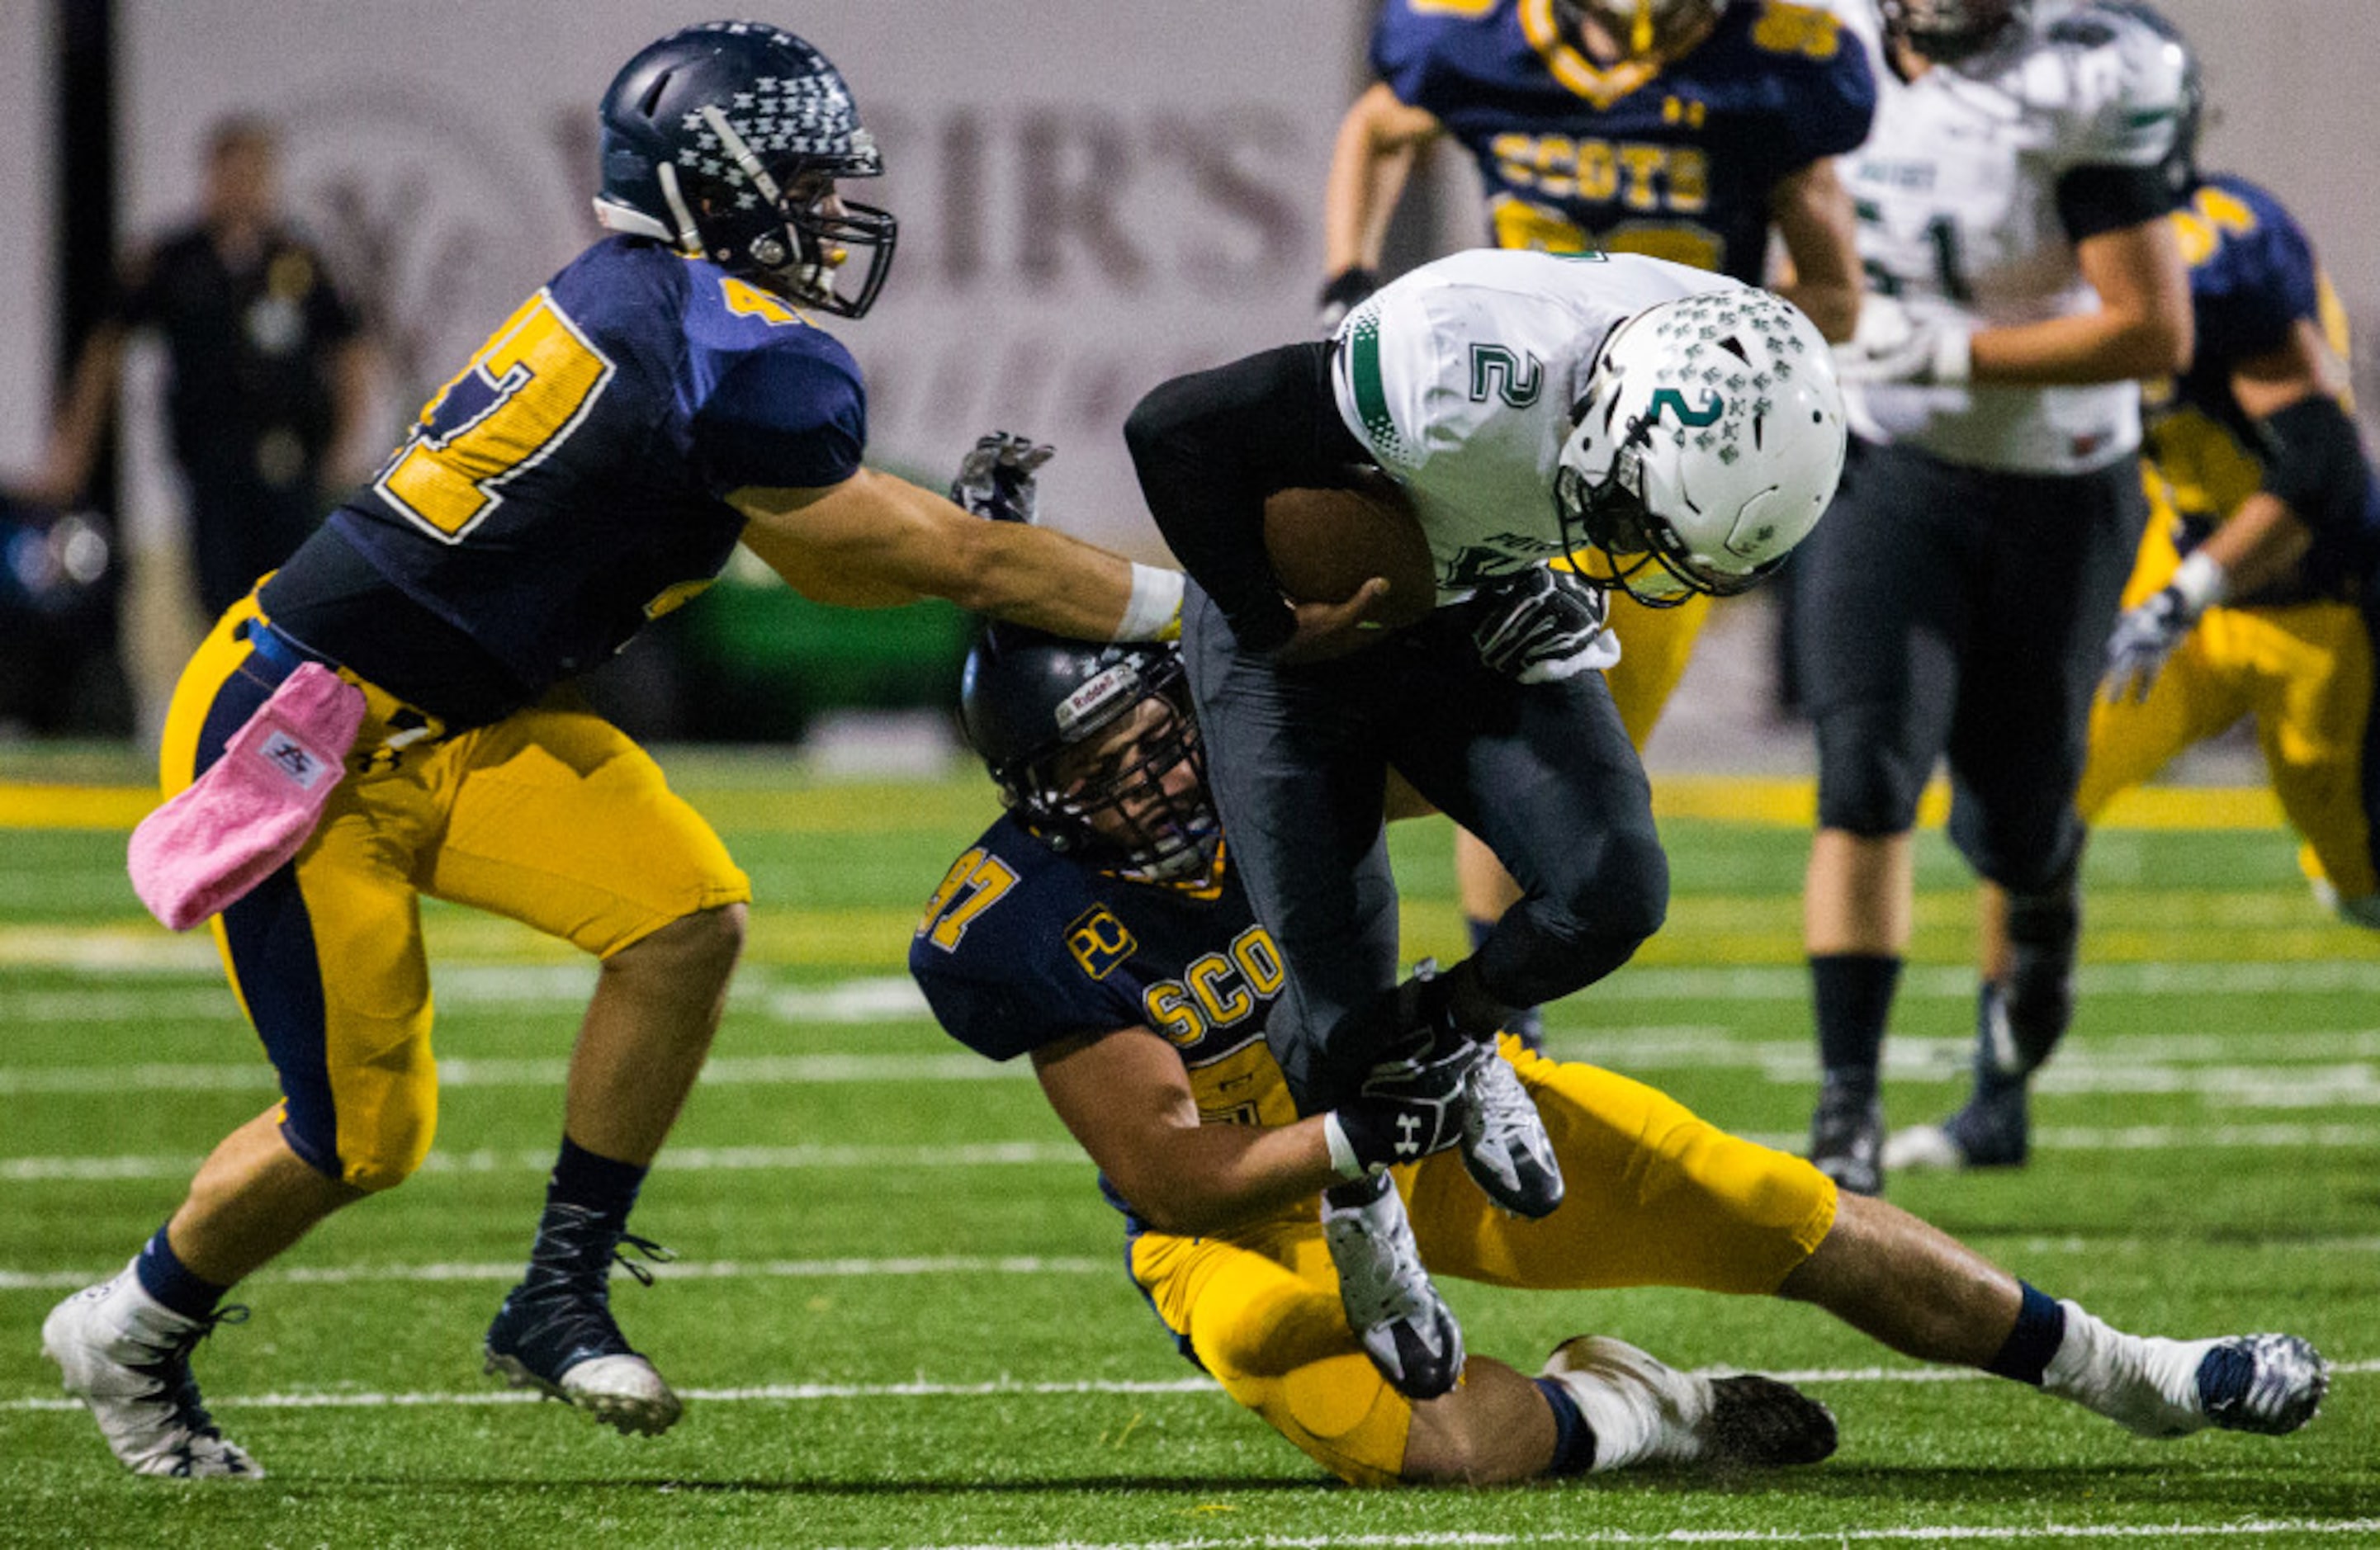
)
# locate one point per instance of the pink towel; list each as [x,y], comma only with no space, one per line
[238,823]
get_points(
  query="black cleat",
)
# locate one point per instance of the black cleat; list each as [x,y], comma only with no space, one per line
[1847,1140]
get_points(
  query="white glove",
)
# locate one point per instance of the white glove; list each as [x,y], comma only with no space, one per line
[1894,344]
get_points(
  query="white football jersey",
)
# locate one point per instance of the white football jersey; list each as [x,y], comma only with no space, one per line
[1957,194]
[1460,376]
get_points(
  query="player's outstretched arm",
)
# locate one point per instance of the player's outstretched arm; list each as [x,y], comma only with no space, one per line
[1379,139]
[876,541]
[1127,1099]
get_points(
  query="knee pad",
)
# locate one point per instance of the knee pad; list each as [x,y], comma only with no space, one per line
[383,1137]
[1340,1413]
[1867,784]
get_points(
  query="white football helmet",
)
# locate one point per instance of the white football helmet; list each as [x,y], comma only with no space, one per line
[1707,442]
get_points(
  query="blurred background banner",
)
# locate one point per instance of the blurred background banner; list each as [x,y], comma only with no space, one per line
[29,288]
[1093,196]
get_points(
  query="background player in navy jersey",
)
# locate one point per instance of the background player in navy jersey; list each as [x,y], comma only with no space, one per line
[2253,594]
[664,396]
[1688,129]
[1100,929]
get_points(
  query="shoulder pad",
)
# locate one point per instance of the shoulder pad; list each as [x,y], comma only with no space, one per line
[2113,84]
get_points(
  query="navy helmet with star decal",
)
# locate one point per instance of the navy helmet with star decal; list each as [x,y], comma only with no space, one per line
[725,140]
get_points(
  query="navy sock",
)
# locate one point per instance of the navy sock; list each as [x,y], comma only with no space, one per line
[580,1178]
[2040,1330]
[167,1279]
[1573,1438]
[1853,994]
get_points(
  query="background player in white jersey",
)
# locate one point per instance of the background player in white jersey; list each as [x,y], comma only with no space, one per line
[2012,204]
[1529,406]
[1684,129]
[2253,596]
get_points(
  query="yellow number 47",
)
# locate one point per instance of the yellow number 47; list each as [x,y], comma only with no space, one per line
[531,385]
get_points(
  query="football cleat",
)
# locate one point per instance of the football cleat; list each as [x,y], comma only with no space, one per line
[556,1332]
[1405,1327]
[1993,1129]
[2157,1387]
[126,1357]
[2269,1384]
[1646,1412]
[1847,1140]
[1505,1147]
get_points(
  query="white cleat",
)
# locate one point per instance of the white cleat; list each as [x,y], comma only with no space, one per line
[2157,1387]
[1922,1149]
[1405,1329]
[1645,1411]
[126,1357]
[623,1392]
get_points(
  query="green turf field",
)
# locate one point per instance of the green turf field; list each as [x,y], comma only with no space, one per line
[899,1312]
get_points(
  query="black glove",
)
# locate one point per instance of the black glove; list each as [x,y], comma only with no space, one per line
[1408,1109]
[1541,625]
[2141,642]
[1343,292]
[996,476]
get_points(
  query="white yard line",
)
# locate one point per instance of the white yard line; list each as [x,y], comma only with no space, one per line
[921,1388]
[2283,1137]
[1915,1534]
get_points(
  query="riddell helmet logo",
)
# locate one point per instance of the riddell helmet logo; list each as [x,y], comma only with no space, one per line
[1665,399]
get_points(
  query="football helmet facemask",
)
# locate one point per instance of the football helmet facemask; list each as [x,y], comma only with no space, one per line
[1641,26]
[1039,711]
[1708,441]
[724,141]
[1952,30]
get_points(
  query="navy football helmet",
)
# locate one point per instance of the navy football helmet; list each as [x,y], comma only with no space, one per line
[1953,30]
[1041,710]
[724,141]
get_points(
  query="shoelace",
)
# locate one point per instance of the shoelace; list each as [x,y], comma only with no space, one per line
[176,1385]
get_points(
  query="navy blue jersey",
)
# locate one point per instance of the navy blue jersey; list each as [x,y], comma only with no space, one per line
[1677,161]
[571,483]
[2253,277]
[1021,946]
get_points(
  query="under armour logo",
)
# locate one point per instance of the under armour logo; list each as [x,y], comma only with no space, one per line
[1409,1140]
[298,763]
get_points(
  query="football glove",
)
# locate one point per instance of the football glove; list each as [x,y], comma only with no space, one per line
[1408,1107]
[1344,292]
[996,477]
[2141,640]
[1894,344]
[1541,625]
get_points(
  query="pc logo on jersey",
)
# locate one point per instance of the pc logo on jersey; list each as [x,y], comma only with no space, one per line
[1099,942]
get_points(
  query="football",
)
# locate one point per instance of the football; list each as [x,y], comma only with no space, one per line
[1325,544]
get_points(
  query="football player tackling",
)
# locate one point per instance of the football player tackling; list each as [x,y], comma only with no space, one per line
[667,395]
[1103,930]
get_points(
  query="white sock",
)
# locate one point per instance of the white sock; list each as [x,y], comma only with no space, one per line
[2144,1384]
[1641,1411]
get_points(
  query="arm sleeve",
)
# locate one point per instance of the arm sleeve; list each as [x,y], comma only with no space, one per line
[1210,446]
[785,418]
[2314,465]
[2092,200]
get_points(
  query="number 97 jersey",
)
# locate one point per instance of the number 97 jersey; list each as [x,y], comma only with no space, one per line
[1972,194]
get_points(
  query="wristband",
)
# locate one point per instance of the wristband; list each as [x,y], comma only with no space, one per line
[1154,610]
[1344,1161]
[1954,355]
[2201,582]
